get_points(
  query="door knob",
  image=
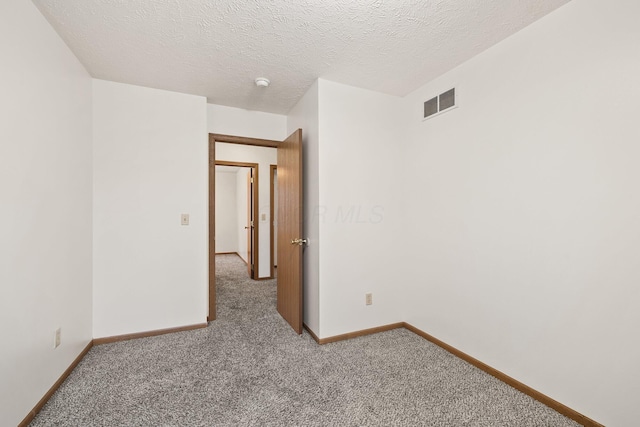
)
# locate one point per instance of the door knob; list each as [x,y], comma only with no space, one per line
[299,242]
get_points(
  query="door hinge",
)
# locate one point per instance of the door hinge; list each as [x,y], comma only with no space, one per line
[252,180]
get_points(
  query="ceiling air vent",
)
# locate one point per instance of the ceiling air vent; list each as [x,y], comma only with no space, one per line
[443,102]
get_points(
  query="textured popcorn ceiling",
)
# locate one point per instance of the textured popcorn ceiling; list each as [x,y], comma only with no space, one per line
[216,48]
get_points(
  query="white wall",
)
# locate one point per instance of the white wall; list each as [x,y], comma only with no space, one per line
[150,165]
[304,115]
[226,212]
[45,220]
[240,122]
[359,217]
[522,209]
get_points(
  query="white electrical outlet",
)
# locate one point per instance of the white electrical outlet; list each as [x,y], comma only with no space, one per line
[56,338]
[184,219]
[368,298]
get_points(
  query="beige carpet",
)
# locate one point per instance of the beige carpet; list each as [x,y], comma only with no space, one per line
[248,368]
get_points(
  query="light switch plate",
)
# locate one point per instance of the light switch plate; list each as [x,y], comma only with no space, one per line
[184,219]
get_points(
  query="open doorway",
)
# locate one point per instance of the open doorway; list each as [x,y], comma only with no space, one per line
[230,159]
[237,225]
[289,296]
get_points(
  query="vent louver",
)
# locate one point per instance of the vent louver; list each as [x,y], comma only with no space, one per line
[440,103]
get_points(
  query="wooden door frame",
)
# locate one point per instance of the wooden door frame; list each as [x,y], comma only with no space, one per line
[230,139]
[272,169]
[256,205]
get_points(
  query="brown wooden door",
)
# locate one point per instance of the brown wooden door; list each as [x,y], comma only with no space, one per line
[290,215]
[212,229]
[249,226]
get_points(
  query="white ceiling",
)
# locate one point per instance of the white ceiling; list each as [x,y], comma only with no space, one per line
[216,48]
